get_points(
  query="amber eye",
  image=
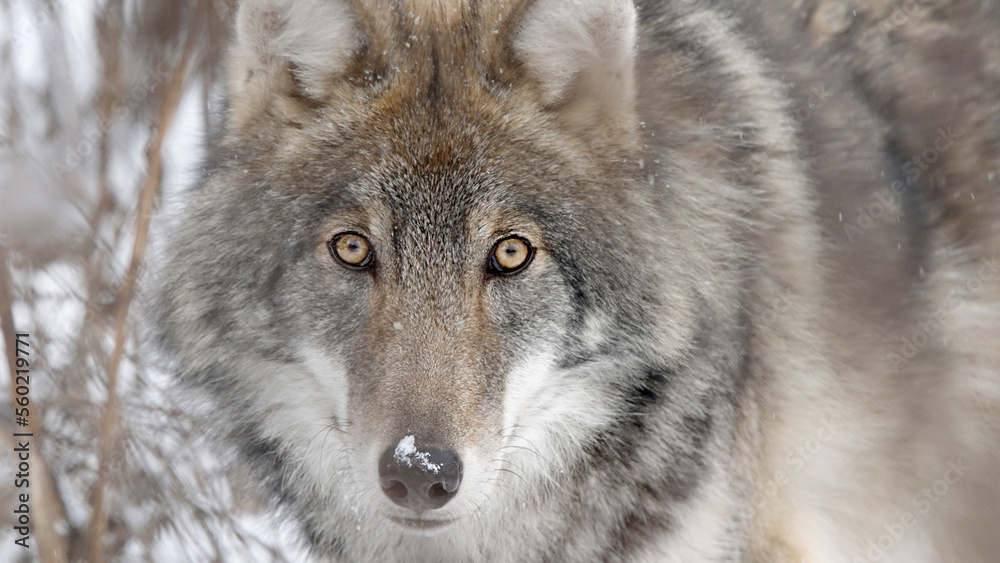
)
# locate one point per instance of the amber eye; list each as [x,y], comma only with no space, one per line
[510,255]
[351,250]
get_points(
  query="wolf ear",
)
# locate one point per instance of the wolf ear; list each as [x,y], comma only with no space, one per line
[581,54]
[289,48]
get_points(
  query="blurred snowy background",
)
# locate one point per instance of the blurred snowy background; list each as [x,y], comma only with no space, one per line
[104,109]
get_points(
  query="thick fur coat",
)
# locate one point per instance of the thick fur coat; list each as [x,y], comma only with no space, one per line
[760,316]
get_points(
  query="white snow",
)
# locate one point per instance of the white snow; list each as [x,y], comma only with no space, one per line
[406,452]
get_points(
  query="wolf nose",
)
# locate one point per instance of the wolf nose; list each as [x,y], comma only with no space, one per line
[419,479]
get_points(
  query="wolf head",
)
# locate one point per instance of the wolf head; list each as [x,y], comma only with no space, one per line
[437,285]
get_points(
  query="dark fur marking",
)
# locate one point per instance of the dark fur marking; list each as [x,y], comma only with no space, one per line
[646,392]
[635,528]
[699,428]
[435,86]
[575,360]
[578,296]
[321,544]
[265,455]
[916,210]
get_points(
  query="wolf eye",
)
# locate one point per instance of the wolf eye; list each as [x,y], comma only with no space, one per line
[510,255]
[351,250]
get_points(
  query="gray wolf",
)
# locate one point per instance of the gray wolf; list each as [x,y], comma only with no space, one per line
[586,280]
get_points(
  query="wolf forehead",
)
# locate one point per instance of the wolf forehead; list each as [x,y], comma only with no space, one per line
[412,47]
[396,65]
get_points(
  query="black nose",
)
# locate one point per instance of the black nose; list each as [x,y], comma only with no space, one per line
[419,478]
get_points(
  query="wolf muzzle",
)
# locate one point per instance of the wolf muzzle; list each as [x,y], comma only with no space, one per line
[419,479]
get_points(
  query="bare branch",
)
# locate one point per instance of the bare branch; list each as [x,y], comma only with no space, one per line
[148,195]
[47,503]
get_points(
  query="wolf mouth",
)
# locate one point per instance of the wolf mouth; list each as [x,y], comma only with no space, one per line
[421,523]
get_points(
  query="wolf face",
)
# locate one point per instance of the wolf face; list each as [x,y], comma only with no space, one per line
[546,281]
[411,274]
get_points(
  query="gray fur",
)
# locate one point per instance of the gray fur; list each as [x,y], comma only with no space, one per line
[710,295]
